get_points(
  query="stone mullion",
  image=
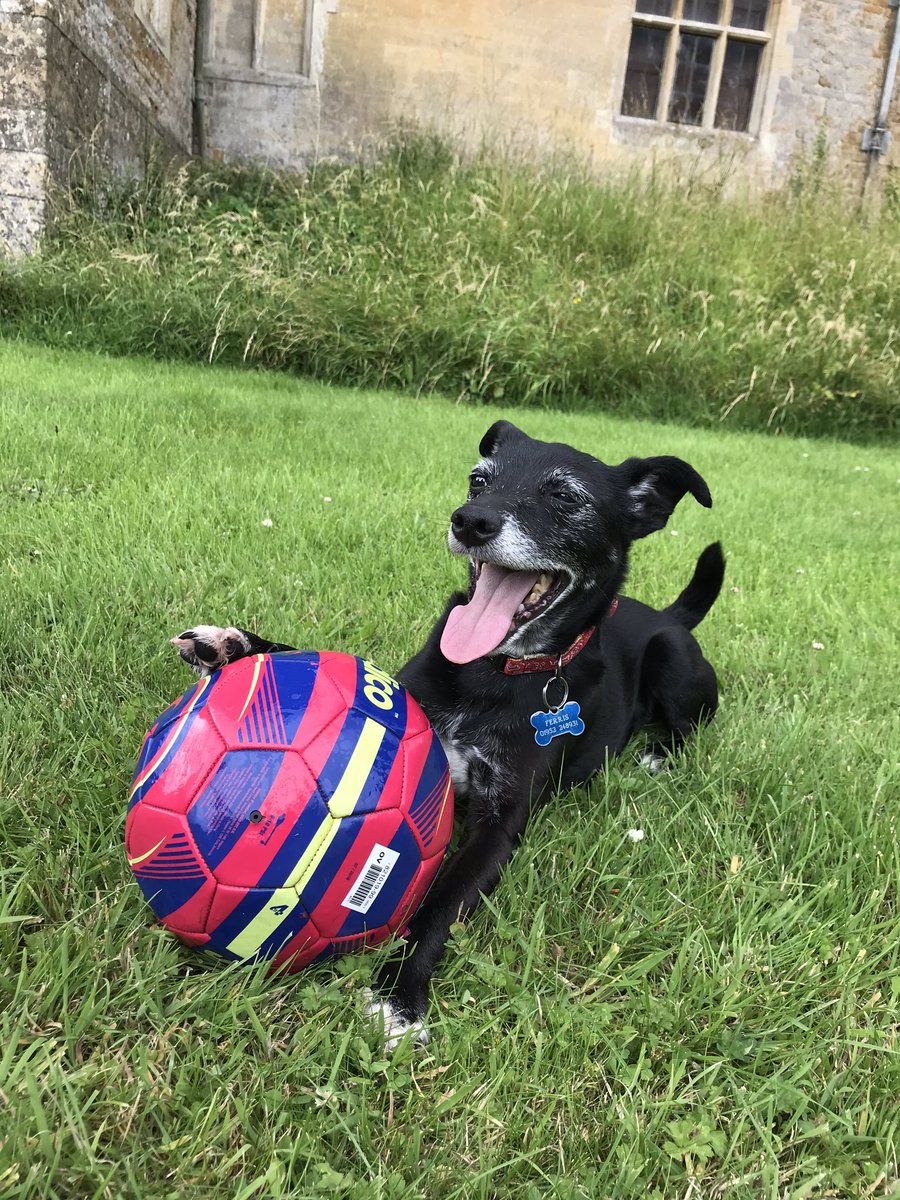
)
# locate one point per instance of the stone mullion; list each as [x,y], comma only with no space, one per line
[257,61]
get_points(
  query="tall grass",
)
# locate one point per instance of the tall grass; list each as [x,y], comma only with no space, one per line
[491,280]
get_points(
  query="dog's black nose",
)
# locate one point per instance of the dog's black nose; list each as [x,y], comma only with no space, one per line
[473,525]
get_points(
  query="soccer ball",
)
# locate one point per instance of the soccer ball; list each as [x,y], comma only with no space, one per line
[289,807]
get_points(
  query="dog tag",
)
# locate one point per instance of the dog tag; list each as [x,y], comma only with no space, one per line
[566,719]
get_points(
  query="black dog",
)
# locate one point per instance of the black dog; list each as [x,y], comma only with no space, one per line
[547,530]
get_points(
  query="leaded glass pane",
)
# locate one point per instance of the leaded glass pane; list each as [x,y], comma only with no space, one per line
[750,14]
[702,10]
[643,75]
[655,8]
[740,71]
[691,78]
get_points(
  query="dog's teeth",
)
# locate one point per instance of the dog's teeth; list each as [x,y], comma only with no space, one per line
[543,583]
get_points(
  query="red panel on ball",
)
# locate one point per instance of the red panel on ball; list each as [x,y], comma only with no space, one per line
[187,752]
[168,867]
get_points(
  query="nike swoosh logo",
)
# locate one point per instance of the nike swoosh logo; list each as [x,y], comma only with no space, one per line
[133,862]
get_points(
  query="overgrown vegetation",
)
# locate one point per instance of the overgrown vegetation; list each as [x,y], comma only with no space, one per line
[492,281]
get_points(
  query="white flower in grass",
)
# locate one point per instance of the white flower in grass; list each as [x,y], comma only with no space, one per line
[267,522]
[326,499]
[818,645]
[674,532]
[635,835]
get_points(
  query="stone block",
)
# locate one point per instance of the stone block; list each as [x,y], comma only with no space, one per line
[23,79]
[23,129]
[21,223]
[24,173]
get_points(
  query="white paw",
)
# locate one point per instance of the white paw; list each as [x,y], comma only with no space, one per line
[392,1025]
[205,648]
[654,762]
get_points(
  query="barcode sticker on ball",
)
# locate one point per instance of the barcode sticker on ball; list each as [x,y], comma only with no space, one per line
[371,879]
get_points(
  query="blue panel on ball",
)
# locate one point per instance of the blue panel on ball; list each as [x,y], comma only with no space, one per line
[221,813]
[292,678]
[381,698]
[431,792]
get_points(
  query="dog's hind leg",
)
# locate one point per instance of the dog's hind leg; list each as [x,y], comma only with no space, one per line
[680,691]
[206,648]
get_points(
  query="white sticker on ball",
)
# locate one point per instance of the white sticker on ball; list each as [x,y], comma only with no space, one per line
[371,879]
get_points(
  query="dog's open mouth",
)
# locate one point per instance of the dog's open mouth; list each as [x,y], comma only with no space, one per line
[547,587]
[500,602]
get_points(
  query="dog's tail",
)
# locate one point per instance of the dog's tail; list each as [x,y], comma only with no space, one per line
[700,594]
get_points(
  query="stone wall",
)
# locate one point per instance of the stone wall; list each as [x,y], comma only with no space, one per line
[286,81]
[545,74]
[23,123]
[86,81]
[834,82]
[117,83]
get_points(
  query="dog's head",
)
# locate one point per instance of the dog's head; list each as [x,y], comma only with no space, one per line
[547,529]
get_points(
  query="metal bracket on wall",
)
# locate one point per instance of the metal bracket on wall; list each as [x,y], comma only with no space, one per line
[875,138]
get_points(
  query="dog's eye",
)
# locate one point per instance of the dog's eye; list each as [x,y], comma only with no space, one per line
[564,496]
[477,483]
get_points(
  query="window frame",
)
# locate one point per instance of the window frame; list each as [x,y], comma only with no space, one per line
[256,70]
[721,33]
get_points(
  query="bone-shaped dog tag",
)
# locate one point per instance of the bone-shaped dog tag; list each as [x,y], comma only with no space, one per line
[566,719]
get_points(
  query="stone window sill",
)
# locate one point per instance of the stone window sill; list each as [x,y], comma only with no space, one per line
[213,70]
[652,128]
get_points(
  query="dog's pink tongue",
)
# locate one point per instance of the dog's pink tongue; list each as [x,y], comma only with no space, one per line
[477,628]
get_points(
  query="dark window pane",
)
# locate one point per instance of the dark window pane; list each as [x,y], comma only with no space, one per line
[646,56]
[750,14]
[691,78]
[656,8]
[702,10]
[739,72]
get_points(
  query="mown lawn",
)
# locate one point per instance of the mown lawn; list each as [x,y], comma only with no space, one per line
[711,1011]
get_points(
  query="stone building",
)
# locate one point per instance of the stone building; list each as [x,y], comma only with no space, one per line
[747,83]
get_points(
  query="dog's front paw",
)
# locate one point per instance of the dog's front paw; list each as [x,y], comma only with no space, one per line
[392,1024]
[654,762]
[206,648]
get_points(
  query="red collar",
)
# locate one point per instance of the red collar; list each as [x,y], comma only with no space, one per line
[524,666]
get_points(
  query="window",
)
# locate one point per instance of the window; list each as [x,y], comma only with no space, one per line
[157,16]
[263,36]
[696,62]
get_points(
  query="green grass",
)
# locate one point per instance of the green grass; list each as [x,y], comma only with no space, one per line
[656,295]
[711,1012]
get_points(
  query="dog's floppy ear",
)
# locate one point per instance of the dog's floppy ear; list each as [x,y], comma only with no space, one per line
[654,486]
[500,431]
